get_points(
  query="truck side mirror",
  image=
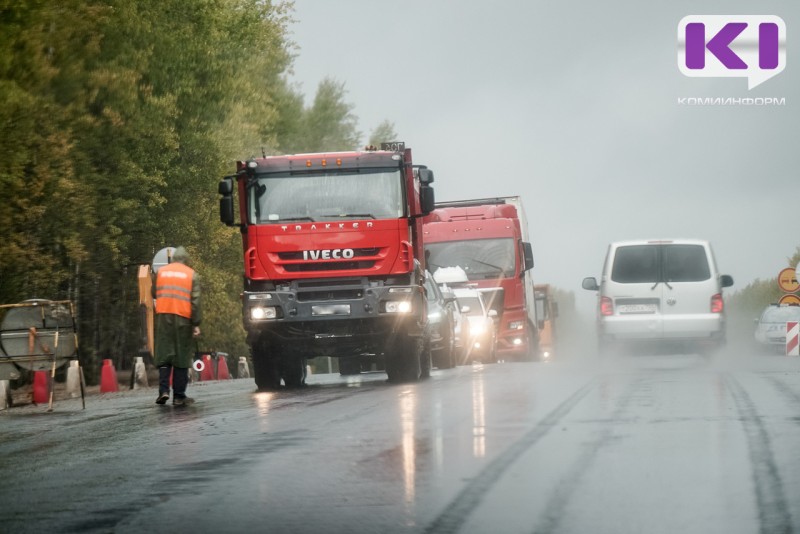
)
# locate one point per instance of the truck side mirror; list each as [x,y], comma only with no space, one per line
[527,251]
[225,189]
[426,198]
[425,176]
[726,280]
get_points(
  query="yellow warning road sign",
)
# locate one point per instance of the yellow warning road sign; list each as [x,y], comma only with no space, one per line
[790,300]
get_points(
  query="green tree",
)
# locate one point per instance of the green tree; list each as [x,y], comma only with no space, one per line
[329,124]
[117,120]
[383,133]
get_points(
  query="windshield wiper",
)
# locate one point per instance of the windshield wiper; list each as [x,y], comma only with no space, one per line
[659,282]
[490,265]
[306,218]
[343,215]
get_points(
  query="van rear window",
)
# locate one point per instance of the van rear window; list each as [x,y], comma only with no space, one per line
[657,263]
[685,263]
[635,264]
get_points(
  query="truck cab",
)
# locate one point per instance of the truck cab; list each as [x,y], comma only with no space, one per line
[333,259]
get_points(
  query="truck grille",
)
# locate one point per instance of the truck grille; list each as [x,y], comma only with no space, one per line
[322,295]
[328,266]
[357,253]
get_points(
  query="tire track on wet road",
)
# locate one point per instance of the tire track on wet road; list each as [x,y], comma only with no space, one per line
[773,510]
[458,511]
[562,493]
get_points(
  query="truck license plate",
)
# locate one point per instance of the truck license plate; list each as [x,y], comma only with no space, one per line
[331,309]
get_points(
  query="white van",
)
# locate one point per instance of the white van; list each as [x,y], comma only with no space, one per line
[660,290]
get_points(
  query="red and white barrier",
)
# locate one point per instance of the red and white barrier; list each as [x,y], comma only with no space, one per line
[793,338]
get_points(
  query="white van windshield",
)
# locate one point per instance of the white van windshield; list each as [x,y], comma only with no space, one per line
[638,264]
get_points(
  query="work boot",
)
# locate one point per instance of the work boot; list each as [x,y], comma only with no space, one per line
[185,401]
[162,398]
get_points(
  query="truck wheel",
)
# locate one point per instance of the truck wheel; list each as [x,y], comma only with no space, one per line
[266,370]
[349,366]
[266,374]
[294,371]
[404,359]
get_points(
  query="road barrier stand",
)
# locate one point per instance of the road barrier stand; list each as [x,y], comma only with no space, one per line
[208,369]
[108,378]
[5,394]
[74,379]
[41,387]
[222,368]
[139,373]
[244,369]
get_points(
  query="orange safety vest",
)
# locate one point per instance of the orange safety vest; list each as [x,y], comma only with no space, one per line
[174,290]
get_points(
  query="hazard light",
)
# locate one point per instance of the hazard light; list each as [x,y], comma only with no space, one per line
[717,304]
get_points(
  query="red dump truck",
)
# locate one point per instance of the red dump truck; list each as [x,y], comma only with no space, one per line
[488,239]
[333,259]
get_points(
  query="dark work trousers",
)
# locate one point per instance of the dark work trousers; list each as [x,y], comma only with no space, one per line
[180,378]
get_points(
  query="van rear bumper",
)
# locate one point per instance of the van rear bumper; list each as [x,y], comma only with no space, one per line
[657,326]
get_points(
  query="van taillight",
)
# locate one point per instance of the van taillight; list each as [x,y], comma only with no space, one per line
[717,304]
[606,306]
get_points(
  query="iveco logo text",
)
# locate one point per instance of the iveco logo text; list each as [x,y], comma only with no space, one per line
[732,46]
[327,226]
[335,254]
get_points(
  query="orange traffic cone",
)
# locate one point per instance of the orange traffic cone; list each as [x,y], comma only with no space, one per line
[108,377]
[208,371]
[41,387]
[222,368]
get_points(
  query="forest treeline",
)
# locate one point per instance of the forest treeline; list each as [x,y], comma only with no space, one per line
[117,121]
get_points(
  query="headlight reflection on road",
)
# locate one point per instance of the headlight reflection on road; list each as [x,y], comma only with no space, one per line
[478,413]
[408,407]
[263,404]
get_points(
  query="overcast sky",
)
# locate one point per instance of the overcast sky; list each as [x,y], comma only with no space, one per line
[574,106]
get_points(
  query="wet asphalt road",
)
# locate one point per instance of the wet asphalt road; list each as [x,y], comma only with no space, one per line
[653,444]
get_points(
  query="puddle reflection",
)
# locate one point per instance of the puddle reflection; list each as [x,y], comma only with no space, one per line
[478,413]
[263,406]
[408,407]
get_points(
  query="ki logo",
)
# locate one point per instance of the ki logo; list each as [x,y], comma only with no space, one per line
[732,46]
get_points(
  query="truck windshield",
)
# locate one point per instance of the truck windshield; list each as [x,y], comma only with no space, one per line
[367,194]
[481,259]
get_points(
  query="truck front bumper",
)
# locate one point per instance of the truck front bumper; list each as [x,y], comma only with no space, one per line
[328,309]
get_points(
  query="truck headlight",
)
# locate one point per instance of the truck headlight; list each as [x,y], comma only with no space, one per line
[398,306]
[258,313]
[515,325]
